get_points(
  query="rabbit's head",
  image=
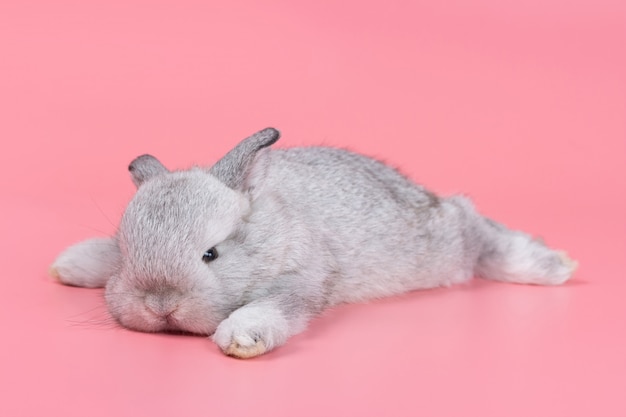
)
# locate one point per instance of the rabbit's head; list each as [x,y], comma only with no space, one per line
[178,241]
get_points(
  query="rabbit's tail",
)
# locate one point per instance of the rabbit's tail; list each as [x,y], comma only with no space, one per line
[513,256]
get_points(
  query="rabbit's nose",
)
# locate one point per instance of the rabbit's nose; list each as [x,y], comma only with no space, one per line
[161,305]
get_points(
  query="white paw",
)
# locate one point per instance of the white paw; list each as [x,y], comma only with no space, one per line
[567,268]
[251,331]
[556,268]
[245,352]
[87,264]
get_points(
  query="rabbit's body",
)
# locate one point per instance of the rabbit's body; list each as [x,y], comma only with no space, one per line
[364,229]
[296,230]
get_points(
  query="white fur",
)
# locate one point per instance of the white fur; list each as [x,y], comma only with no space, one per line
[87,264]
[254,322]
[297,231]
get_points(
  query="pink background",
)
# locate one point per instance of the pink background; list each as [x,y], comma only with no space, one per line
[520,104]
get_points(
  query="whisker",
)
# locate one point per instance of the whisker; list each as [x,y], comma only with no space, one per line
[88,311]
[102,211]
[105,322]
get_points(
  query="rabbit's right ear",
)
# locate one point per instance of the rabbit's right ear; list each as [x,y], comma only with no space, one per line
[145,167]
[234,167]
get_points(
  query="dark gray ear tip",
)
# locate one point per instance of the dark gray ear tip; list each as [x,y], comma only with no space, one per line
[138,161]
[271,131]
[145,167]
[269,136]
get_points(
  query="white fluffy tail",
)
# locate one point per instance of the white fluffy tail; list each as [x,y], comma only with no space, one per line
[514,256]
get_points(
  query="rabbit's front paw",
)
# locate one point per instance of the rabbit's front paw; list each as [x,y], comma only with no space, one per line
[240,351]
[87,264]
[251,331]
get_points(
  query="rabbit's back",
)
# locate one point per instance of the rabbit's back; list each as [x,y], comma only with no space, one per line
[376,232]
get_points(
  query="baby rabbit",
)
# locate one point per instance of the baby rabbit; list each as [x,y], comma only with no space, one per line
[251,249]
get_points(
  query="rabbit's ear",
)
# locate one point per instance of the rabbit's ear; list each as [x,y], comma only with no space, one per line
[145,167]
[234,167]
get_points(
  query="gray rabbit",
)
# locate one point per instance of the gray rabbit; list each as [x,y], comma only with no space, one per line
[251,249]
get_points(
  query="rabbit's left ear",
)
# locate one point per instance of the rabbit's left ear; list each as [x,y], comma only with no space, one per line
[234,167]
[145,167]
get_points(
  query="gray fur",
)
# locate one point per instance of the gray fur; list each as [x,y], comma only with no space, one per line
[145,167]
[233,169]
[297,231]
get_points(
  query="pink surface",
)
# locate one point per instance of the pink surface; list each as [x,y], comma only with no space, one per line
[522,105]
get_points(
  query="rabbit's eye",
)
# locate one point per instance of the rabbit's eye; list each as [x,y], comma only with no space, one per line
[210,255]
